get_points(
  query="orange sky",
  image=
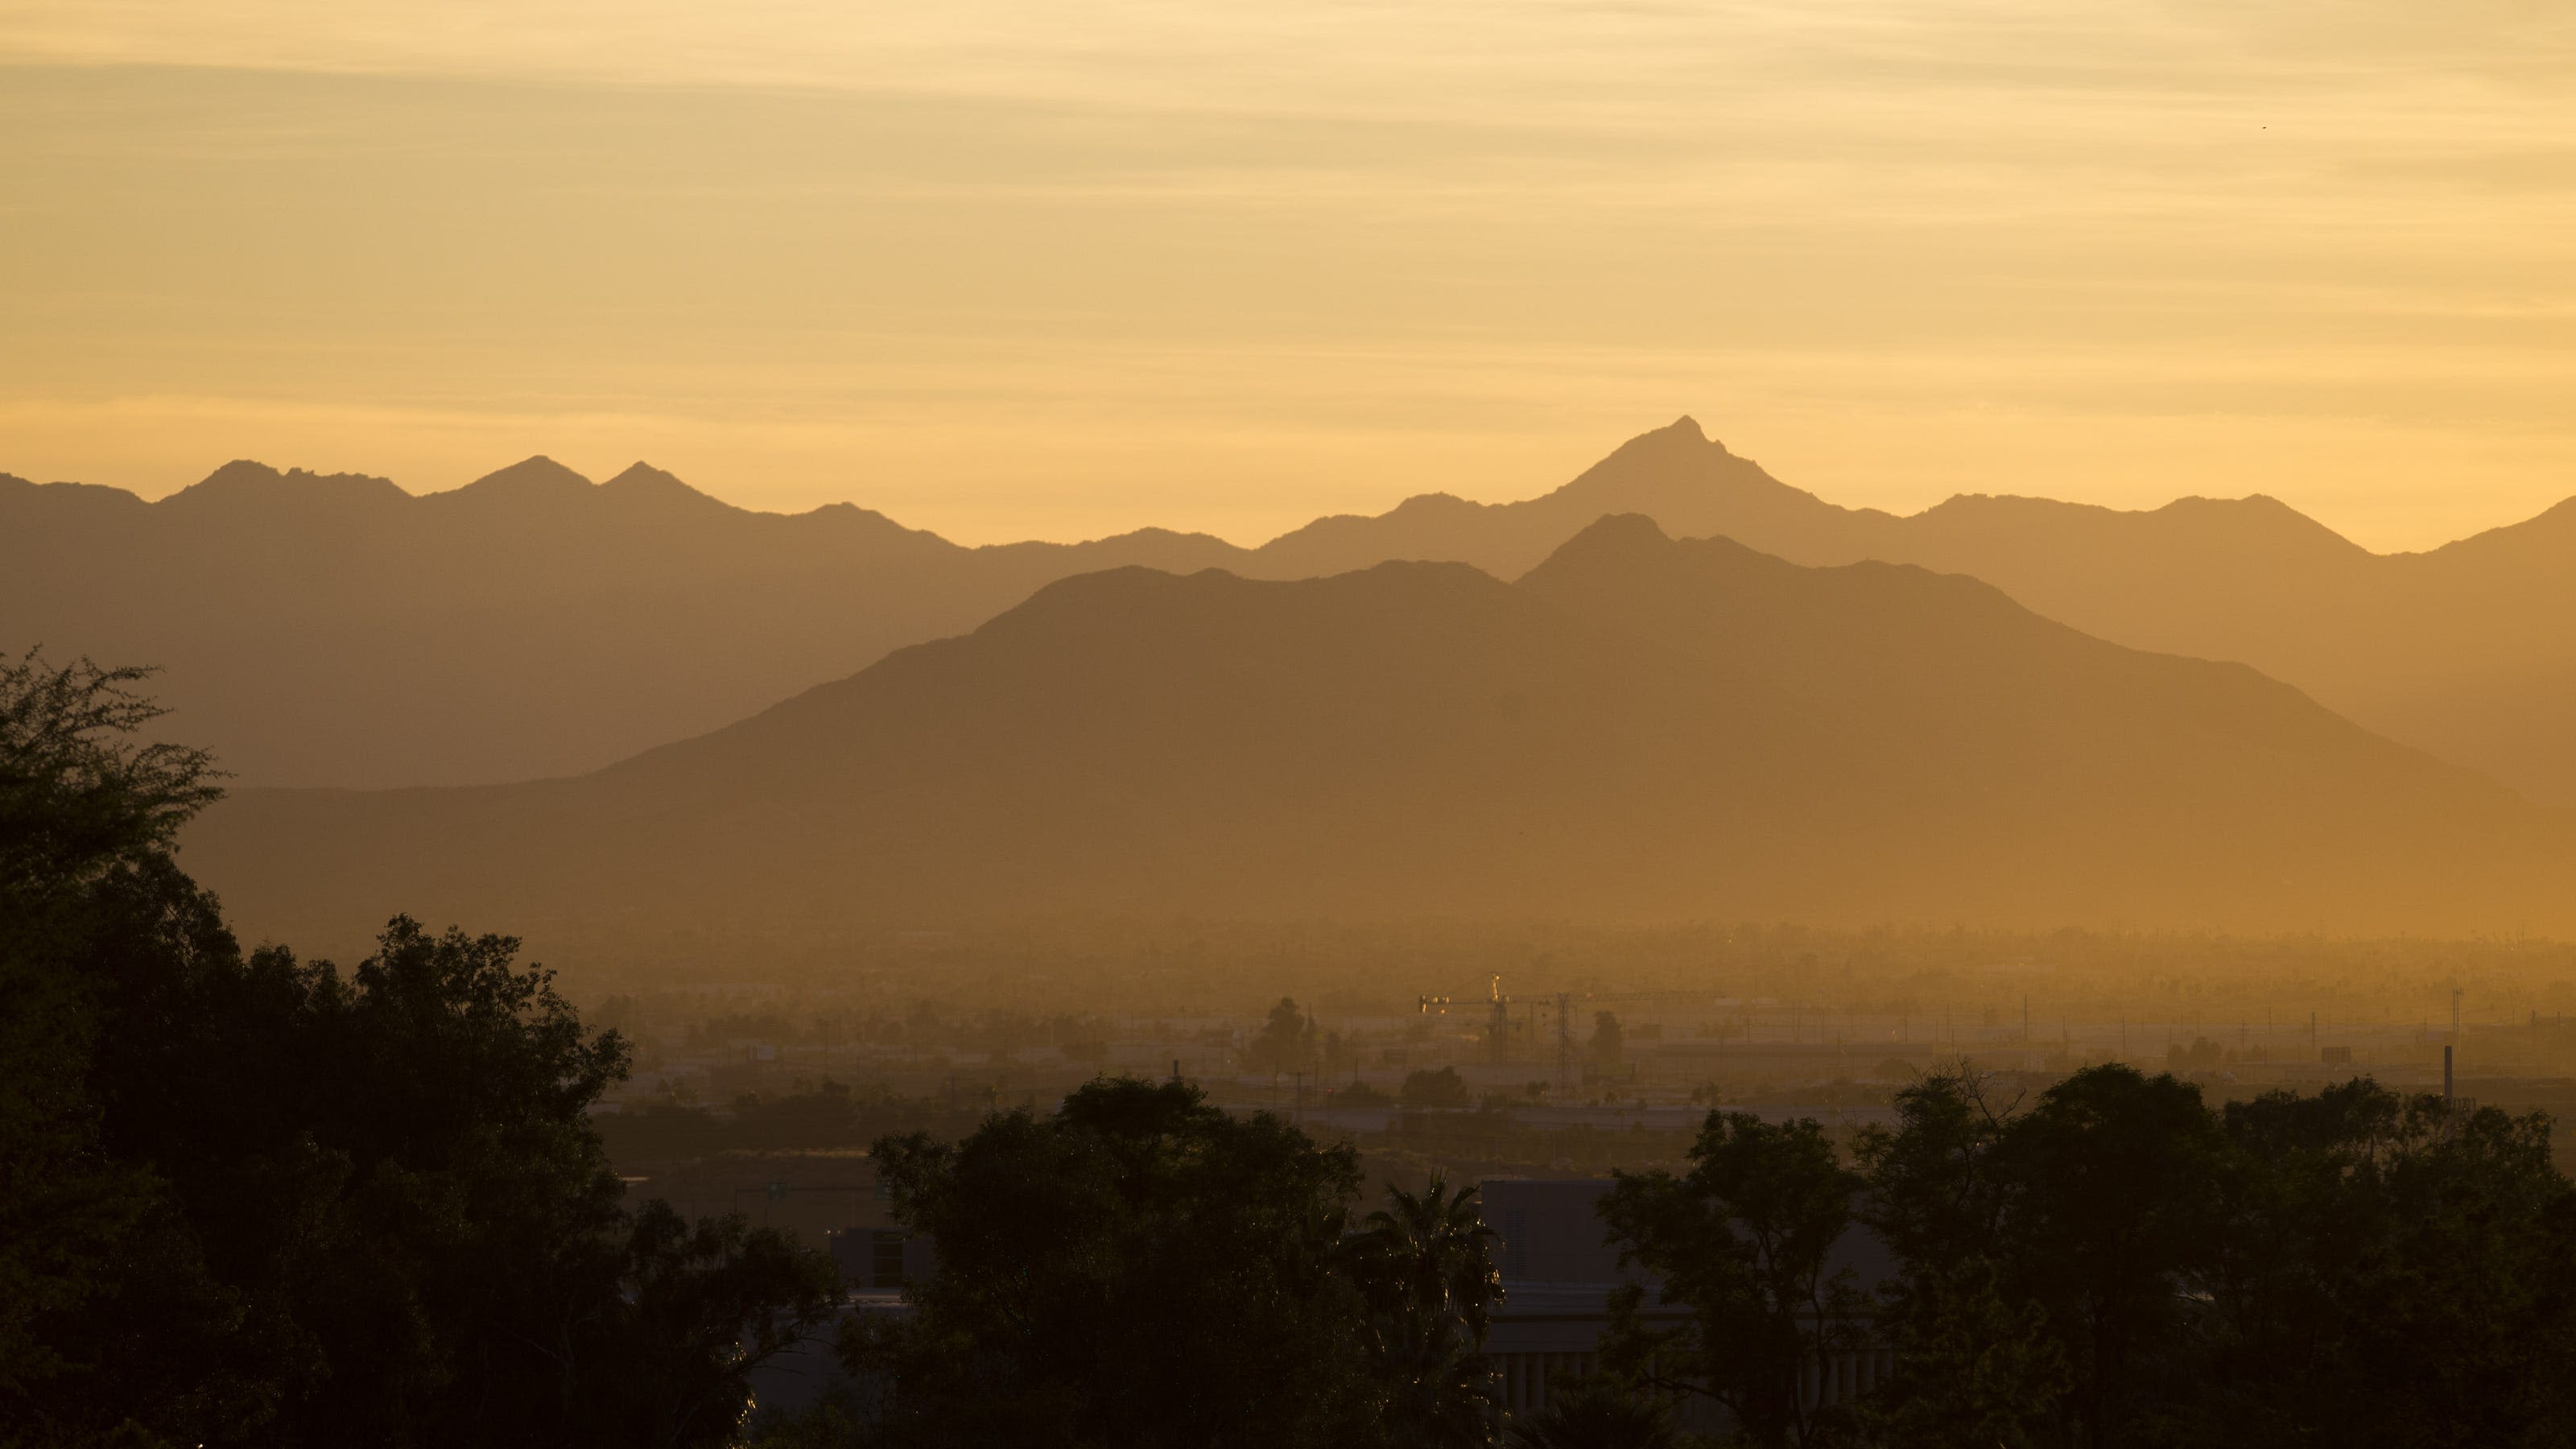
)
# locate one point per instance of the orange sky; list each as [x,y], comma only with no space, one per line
[1014,269]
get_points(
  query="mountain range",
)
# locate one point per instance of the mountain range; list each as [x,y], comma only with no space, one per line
[1638,728]
[335,630]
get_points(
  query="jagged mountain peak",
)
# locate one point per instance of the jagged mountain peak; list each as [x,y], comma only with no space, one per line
[640,474]
[246,480]
[1611,540]
[1678,442]
[643,482]
[537,476]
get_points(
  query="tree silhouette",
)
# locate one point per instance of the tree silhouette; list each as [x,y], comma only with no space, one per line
[1287,1039]
[1136,1268]
[80,797]
[247,1199]
[1609,1042]
[2117,1265]
[1977,1365]
[1743,1241]
[1426,1265]
[1435,1087]
[1430,1256]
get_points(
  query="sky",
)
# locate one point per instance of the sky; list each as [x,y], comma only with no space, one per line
[1014,269]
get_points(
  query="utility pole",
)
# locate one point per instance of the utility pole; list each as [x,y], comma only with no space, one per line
[1565,1042]
[2448,1098]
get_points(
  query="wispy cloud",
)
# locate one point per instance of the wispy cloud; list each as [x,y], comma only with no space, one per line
[2290,245]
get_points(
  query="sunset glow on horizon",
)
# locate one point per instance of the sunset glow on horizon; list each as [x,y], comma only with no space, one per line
[1005,270]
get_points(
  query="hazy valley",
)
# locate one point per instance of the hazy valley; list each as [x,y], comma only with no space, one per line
[847,936]
[1638,729]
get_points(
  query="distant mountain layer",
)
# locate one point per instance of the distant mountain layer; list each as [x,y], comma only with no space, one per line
[1638,729]
[335,630]
[2468,650]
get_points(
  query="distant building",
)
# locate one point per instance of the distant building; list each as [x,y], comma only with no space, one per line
[1559,1269]
[880,1258]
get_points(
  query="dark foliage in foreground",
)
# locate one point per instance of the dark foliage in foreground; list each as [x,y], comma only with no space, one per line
[1140,1268]
[246,1199]
[1596,1414]
[2116,1264]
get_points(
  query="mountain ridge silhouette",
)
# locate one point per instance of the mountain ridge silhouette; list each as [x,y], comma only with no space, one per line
[1640,728]
[332,629]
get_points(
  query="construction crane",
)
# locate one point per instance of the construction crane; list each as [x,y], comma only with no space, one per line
[1498,1025]
[1564,1002]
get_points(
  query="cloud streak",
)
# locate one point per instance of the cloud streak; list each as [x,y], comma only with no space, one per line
[2274,237]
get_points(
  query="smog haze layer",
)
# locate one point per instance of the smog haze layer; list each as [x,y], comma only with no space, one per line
[1326,724]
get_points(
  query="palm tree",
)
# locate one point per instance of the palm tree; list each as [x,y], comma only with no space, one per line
[1426,1264]
[1431,1257]
[1596,1414]
[1439,1388]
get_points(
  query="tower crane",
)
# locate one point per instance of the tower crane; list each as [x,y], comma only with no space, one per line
[1564,1003]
